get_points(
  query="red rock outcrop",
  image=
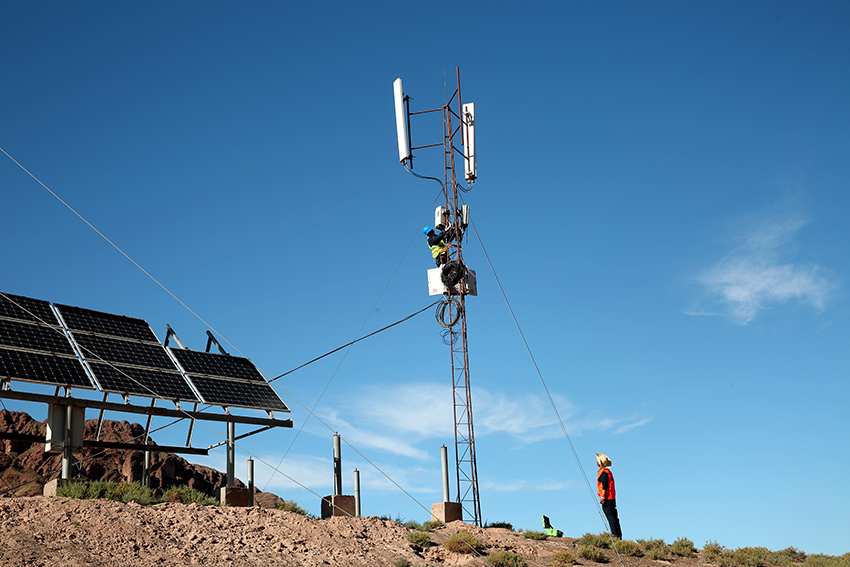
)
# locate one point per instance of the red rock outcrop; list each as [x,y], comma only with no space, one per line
[25,467]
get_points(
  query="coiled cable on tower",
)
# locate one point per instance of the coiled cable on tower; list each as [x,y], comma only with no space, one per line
[441,312]
[449,337]
[452,273]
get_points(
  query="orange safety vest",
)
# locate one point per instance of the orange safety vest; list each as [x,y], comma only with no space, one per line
[609,494]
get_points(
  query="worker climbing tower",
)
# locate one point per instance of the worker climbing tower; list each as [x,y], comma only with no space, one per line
[453,279]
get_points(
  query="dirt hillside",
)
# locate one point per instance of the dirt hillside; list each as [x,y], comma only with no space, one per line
[45,531]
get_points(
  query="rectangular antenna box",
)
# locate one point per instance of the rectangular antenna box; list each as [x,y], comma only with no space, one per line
[436,286]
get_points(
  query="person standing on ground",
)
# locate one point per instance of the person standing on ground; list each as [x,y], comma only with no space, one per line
[607,493]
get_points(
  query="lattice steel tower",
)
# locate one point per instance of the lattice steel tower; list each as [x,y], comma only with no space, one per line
[458,140]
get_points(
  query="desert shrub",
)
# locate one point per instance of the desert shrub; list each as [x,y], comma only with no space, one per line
[291,506]
[120,491]
[750,557]
[648,544]
[592,553]
[602,540]
[531,534]
[137,493]
[654,548]
[562,559]
[683,547]
[421,539]
[464,542]
[713,552]
[506,559]
[72,490]
[794,554]
[100,489]
[504,525]
[188,495]
[820,560]
[658,552]
[402,563]
[629,548]
[413,525]
[429,525]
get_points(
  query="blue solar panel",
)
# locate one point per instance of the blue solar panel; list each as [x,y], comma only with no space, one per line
[79,319]
[34,347]
[43,368]
[124,356]
[142,382]
[26,309]
[236,393]
[32,336]
[212,364]
[227,380]
[103,349]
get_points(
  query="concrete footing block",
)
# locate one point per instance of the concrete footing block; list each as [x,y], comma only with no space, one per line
[338,505]
[446,512]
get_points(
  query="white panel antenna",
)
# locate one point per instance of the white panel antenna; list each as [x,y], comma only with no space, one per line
[401,122]
[469,141]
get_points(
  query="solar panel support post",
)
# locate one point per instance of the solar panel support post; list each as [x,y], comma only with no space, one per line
[67,456]
[211,339]
[146,471]
[100,417]
[231,454]
[170,333]
[191,427]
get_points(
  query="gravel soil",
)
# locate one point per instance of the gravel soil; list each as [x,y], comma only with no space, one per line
[43,531]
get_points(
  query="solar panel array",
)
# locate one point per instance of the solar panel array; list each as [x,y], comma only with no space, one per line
[123,356]
[227,380]
[34,347]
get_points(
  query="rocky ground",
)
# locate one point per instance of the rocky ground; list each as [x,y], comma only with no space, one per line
[45,531]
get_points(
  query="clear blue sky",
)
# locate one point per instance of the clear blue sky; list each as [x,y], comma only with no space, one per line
[663,193]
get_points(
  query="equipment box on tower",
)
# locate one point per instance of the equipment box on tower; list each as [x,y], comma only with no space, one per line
[436,286]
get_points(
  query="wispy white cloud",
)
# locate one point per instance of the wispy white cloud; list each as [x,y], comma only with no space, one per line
[524,485]
[629,426]
[390,440]
[758,272]
[397,418]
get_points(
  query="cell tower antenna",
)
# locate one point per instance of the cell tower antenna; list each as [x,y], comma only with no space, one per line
[453,278]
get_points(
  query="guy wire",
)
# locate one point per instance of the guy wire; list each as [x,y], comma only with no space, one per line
[546,389]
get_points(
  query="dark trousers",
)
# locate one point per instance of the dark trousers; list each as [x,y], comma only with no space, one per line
[610,509]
